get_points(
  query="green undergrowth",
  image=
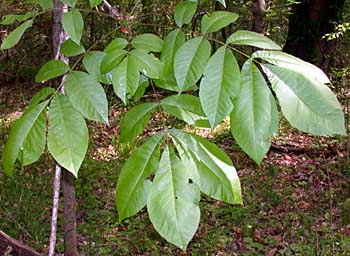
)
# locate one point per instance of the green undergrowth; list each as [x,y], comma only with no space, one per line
[288,210]
[270,221]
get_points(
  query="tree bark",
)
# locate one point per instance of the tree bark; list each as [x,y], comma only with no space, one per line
[70,242]
[259,21]
[70,234]
[310,20]
[58,34]
[11,246]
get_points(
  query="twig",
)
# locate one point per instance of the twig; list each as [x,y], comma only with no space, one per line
[11,246]
[108,5]
[59,36]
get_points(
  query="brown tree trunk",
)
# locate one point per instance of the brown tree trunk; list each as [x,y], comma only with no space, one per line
[310,20]
[70,234]
[10,246]
[70,242]
[259,22]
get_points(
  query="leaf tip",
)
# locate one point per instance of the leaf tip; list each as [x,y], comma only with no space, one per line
[121,216]
[183,247]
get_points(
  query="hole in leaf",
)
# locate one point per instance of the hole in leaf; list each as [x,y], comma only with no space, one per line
[151,178]
[190,181]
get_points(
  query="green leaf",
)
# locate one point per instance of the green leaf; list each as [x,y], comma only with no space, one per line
[70,3]
[190,62]
[133,184]
[94,3]
[73,24]
[245,37]
[13,38]
[125,78]
[135,121]
[51,69]
[143,84]
[116,44]
[307,104]
[173,202]
[251,117]
[11,18]
[184,12]
[184,107]
[70,48]
[274,127]
[68,137]
[34,144]
[172,42]
[148,42]
[217,20]
[148,64]
[188,160]
[92,63]
[220,83]
[41,96]
[25,130]
[288,61]
[87,96]
[213,148]
[111,60]
[218,178]
[167,83]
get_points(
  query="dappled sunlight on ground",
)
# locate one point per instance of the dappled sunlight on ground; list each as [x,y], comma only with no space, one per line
[293,202]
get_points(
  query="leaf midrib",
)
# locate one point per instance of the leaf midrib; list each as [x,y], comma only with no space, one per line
[210,156]
[65,133]
[83,92]
[216,19]
[136,183]
[178,227]
[296,95]
[191,63]
[27,133]
[254,112]
[222,67]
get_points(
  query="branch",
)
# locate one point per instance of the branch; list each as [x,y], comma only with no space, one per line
[11,246]
[59,36]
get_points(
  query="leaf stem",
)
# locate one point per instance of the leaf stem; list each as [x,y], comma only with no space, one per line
[232,48]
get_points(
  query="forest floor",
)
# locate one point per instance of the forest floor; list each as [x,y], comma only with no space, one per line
[296,203]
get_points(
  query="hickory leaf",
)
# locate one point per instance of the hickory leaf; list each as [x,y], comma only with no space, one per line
[133,184]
